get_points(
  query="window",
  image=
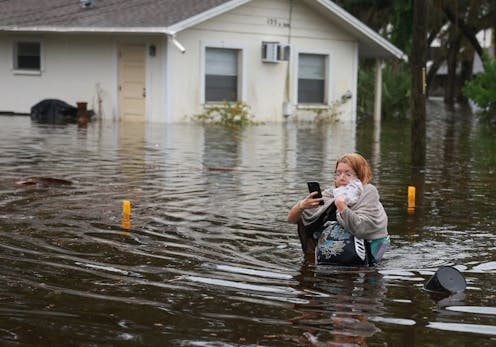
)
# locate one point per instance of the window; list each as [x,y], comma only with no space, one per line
[221,74]
[27,56]
[311,78]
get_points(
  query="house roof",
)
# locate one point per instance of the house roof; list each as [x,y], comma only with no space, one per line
[103,14]
[163,16]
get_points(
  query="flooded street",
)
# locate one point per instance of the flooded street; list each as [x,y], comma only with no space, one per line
[209,258]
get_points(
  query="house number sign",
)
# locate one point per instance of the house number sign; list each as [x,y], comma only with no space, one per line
[277,22]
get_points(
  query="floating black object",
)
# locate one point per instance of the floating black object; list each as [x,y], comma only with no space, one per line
[53,111]
[446,279]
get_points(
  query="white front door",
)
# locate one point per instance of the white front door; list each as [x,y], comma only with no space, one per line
[132,82]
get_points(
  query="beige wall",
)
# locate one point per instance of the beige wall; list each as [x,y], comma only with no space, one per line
[75,64]
[267,85]
[72,67]
[77,67]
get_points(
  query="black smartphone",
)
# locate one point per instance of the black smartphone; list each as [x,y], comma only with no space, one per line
[315,187]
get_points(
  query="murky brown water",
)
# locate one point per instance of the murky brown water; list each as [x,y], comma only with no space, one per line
[210,260]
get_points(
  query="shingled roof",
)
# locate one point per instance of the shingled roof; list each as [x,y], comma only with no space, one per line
[103,14]
[160,16]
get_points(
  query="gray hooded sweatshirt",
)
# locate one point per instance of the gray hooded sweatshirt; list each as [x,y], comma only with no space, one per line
[366,219]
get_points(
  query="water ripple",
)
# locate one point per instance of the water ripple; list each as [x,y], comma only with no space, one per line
[208,258]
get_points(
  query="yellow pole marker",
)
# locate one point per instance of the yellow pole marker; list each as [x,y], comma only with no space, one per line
[126,214]
[126,207]
[411,197]
[424,82]
[126,224]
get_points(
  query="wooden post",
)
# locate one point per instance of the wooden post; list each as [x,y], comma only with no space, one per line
[417,61]
[82,113]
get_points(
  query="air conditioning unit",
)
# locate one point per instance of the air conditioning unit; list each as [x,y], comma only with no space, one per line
[274,52]
[269,52]
[283,52]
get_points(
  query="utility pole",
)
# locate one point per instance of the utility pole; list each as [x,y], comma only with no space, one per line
[417,61]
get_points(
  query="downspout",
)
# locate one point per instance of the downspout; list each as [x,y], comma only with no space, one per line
[172,36]
[166,73]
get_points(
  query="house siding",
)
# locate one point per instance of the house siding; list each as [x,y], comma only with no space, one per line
[83,67]
[269,85]
[78,67]
[72,66]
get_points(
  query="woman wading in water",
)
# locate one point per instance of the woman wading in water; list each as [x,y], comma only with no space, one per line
[350,228]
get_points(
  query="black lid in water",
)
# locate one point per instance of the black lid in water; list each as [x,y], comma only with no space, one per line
[446,279]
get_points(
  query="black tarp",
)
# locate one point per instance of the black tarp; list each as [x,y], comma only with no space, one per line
[53,111]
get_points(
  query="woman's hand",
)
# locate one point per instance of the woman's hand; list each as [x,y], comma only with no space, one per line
[340,204]
[294,214]
[310,201]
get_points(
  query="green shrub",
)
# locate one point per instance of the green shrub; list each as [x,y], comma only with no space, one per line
[482,89]
[395,89]
[365,92]
[227,114]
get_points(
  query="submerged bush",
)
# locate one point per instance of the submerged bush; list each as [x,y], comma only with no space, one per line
[227,114]
[330,113]
[482,89]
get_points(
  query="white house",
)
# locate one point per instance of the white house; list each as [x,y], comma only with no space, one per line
[167,60]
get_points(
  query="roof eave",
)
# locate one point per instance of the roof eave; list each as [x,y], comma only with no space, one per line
[363,30]
[366,36]
[204,16]
[64,29]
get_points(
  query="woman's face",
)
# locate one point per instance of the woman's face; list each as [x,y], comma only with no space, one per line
[344,173]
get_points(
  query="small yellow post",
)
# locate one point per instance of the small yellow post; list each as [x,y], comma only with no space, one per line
[126,207]
[411,197]
[126,214]
[424,82]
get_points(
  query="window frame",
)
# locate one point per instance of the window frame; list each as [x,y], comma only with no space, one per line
[241,77]
[15,58]
[328,81]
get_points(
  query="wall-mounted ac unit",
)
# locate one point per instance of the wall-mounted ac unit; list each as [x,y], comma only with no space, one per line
[274,52]
[269,52]
[283,52]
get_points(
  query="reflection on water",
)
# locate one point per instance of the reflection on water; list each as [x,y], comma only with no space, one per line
[208,258]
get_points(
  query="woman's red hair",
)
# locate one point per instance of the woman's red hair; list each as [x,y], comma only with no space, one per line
[359,164]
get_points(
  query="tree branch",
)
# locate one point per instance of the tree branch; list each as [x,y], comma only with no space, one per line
[464,28]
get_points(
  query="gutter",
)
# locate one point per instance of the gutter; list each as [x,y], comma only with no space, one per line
[119,30]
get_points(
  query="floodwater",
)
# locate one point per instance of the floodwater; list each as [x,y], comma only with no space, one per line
[208,258]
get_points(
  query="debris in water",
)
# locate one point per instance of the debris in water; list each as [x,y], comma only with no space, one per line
[220,168]
[43,181]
